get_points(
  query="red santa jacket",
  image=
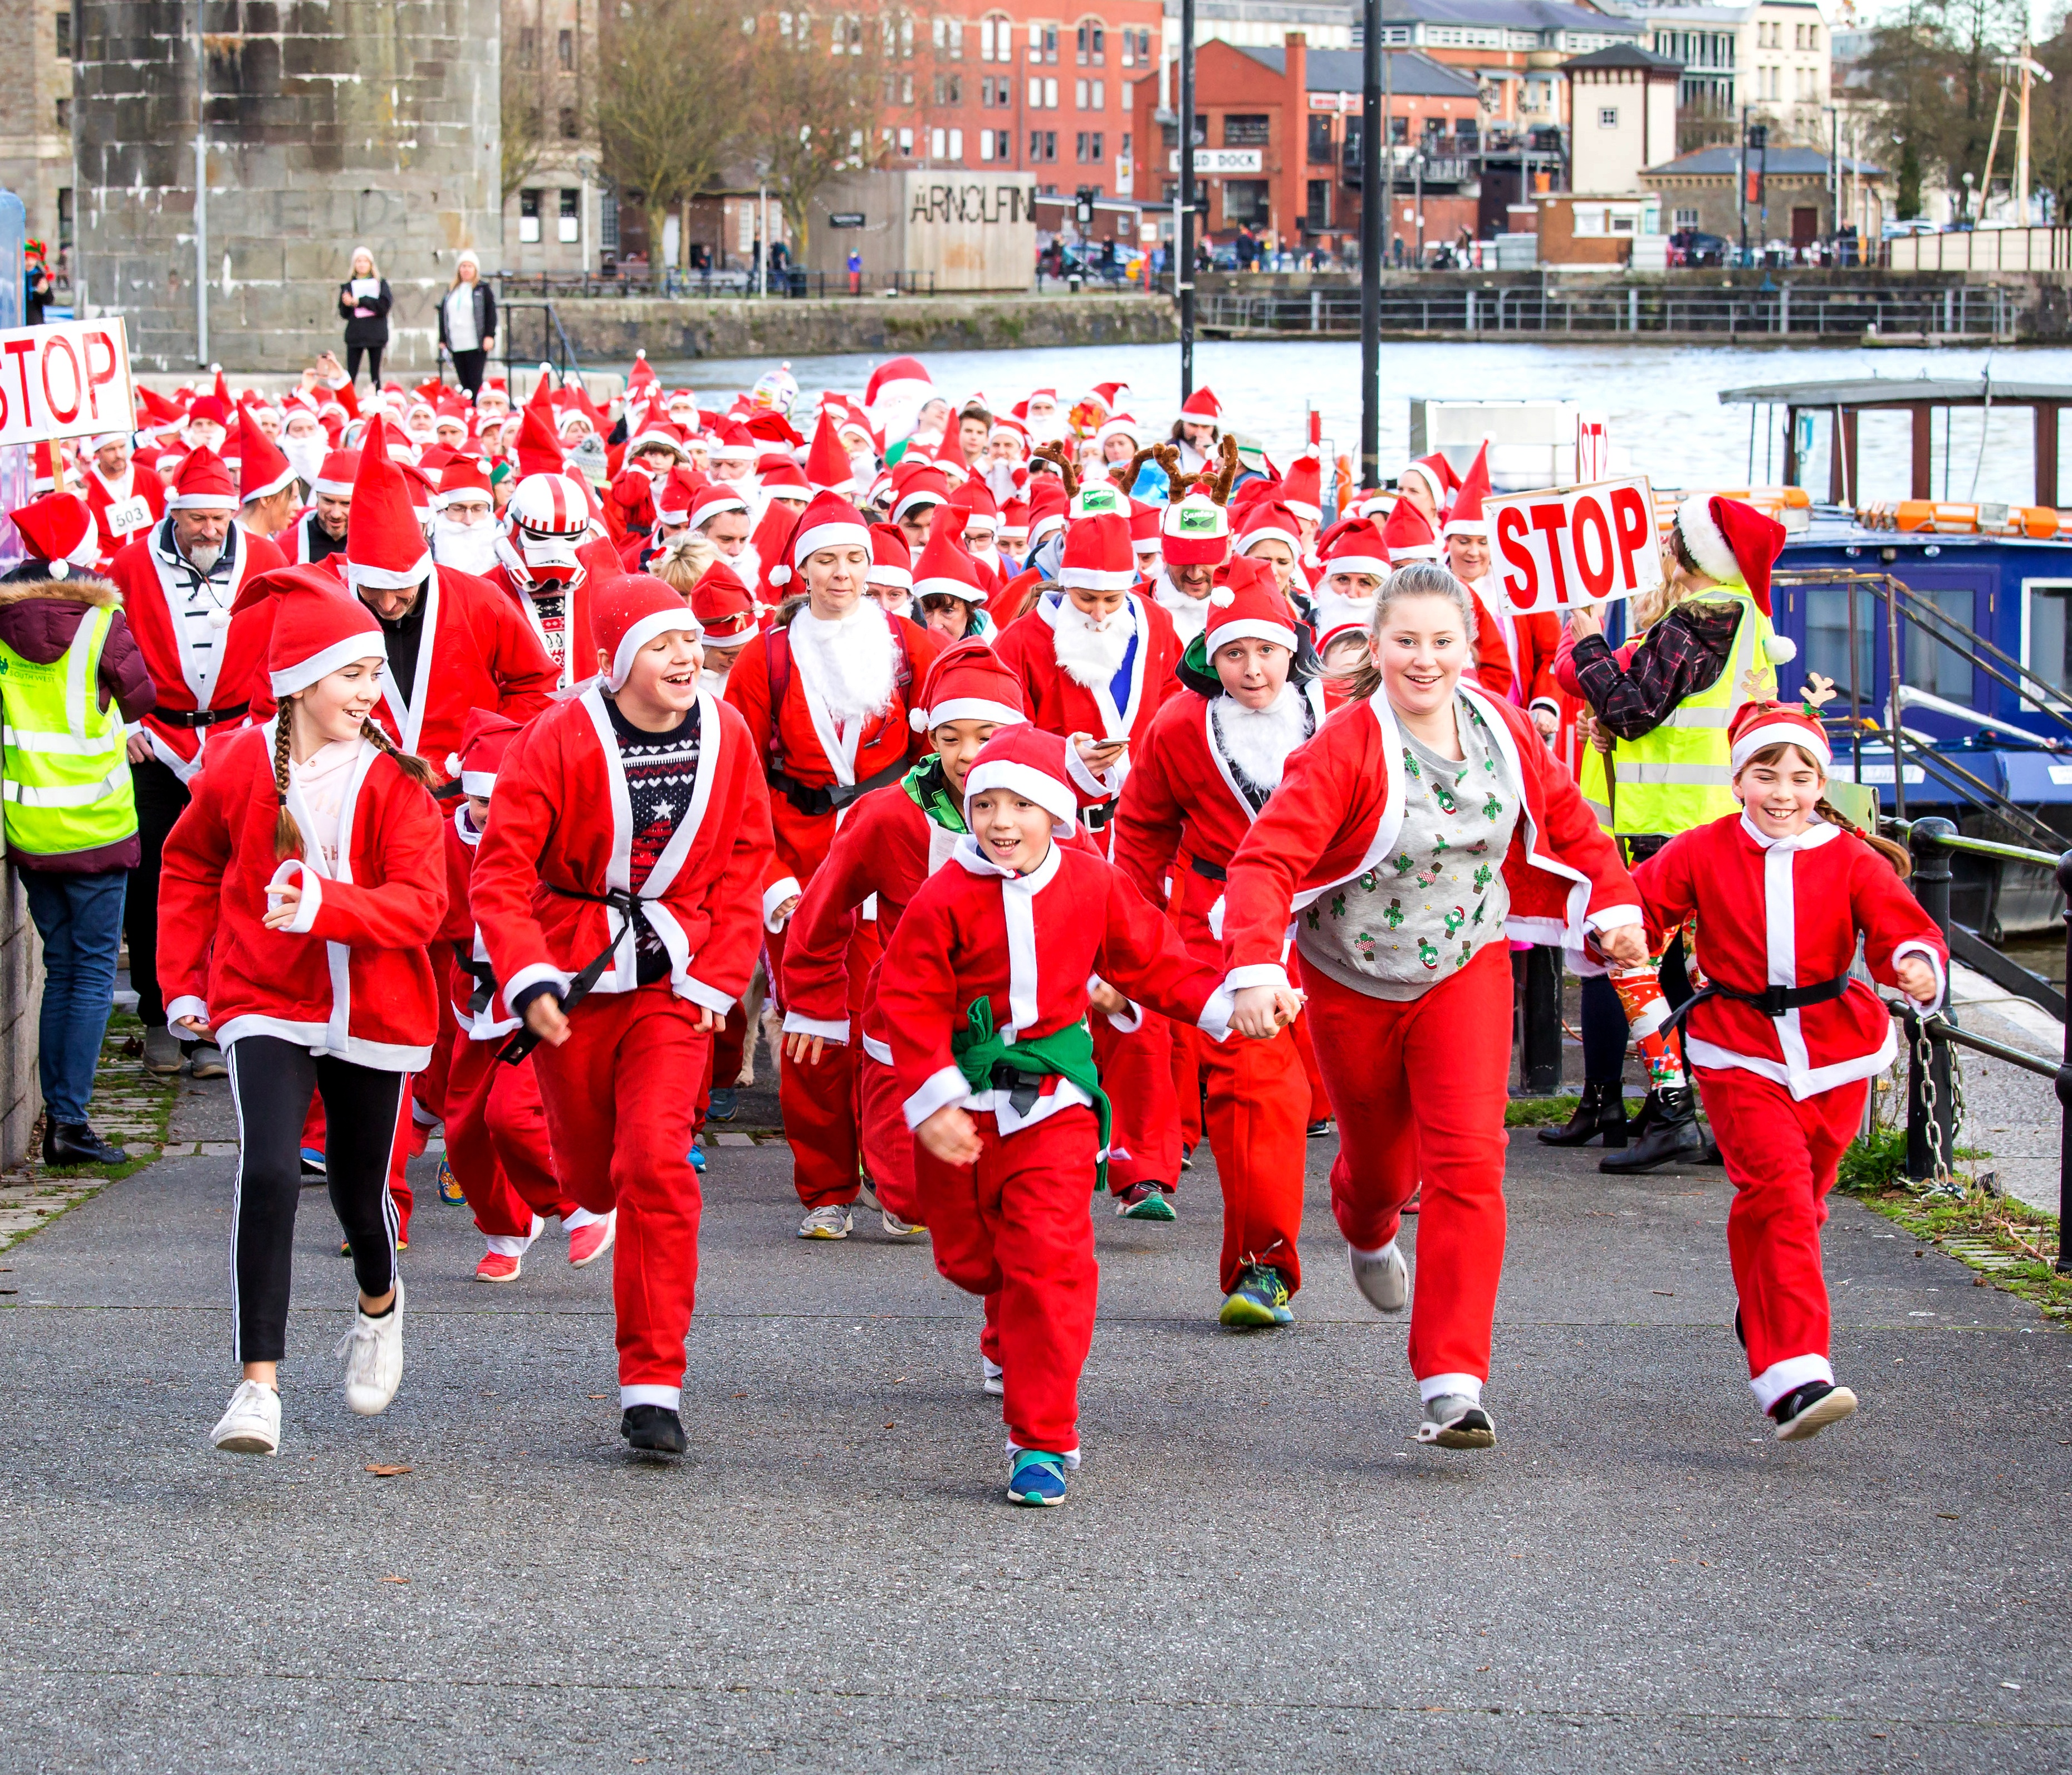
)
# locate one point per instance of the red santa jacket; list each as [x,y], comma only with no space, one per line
[365,927]
[1786,912]
[1181,805]
[1514,655]
[1028,944]
[563,821]
[1339,808]
[152,580]
[1060,703]
[123,509]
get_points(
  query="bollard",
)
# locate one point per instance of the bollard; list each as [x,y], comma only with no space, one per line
[1540,1059]
[2065,1090]
[1931,887]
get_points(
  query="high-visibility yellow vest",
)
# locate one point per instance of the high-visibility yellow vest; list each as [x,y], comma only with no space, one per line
[1594,780]
[1679,776]
[67,761]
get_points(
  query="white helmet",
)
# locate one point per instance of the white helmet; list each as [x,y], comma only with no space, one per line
[777,389]
[543,525]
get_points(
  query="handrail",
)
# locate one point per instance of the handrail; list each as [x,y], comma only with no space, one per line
[1939,1029]
[1984,847]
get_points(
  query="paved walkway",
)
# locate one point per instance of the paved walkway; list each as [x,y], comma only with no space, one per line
[1255,1570]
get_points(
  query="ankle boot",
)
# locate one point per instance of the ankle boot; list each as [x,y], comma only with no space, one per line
[1600,1110]
[1672,1135]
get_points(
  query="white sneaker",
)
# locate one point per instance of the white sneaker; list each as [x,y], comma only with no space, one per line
[250,1422]
[897,1228]
[996,1376]
[1383,1277]
[830,1222]
[866,1193]
[373,1352]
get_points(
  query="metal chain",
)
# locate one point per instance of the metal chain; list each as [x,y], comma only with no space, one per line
[1942,1180]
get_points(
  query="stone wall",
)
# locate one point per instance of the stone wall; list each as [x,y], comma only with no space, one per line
[21,997]
[357,122]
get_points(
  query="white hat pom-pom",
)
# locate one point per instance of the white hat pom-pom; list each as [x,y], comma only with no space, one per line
[452,763]
[918,720]
[219,618]
[780,576]
[1781,649]
[1222,595]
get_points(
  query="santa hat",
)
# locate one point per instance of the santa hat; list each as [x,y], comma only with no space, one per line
[483,737]
[1104,395]
[732,443]
[629,611]
[828,522]
[1195,531]
[944,566]
[923,486]
[1202,408]
[539,446]
[384,545]
[1357,547]
[712,498]
[59,530]
[967,682]
[827,467]
[464,478]
[1408,535]
[891,560]
[898,381]
[210,409]
[1757,727]
[262,470]
[1302,489]
[317,628]
[1027,761]
[335,479]
[1047,507]
[975,500]
[640,380]
[1010,428]
[1144,521]
[677,494]
[1246,604]
[657,434]
[1121,426]
[1097,496]
[1465,518]
[1271,521]
[1098,557]
[203,484]
[1732,543]
[724,609]
[1437,475]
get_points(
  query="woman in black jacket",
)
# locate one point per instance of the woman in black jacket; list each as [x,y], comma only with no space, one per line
[467,323]
[362,305]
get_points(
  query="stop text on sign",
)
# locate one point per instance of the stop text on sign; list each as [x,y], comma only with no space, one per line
[64,380]
[1575,545]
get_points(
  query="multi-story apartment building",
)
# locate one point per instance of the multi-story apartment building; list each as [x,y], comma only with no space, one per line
[35,116]
[559,214]
[1772,57]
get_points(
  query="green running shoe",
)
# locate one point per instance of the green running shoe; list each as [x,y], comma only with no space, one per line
[1258,1301]
[1145,1202]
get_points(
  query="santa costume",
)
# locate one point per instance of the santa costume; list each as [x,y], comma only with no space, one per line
[125,506]
[621,875]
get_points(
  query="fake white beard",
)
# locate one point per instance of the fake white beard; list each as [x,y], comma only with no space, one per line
[471,548]
[1003,480]
[1333,608]
[715,682]
[896,601]
[1088,656]
[305,456]
[987,552]
[203,557]
[1258,741]
[863,464]
[1191,615]
[849,665]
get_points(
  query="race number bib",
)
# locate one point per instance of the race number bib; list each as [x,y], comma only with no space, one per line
[126,515]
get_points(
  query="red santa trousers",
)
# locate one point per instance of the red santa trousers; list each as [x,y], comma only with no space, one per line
[620,1121]
[817,1099]
[1780,1157]
[1419,1089]
[498,1143]
[1258,1105]
[1019,1225]
[1320,1101]
[888,1144]
[428,1089]
[1187,1084]
[727,1046]
[1136,1072]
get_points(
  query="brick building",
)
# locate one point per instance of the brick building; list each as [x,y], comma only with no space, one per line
[35,116]
[1698,191]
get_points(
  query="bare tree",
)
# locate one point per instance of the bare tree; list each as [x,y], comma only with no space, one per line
[815,87]
[524,110]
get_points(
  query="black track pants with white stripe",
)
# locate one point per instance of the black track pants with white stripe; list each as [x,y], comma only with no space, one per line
[271,1081]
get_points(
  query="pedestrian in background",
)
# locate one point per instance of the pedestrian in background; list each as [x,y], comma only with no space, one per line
[467,323]
[71,813]
[363,302]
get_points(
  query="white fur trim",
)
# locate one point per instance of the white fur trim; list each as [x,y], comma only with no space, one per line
[970,709]
[478,782]
[774,896]
[1095,579]
[189,1006]
[1056,798]
[1787,1376]
[670,1398]
[332,489]
[710,998]
[1780,733]
[954,588]
[898,578]
[1271,533]
[1259,974]
[389,578]
[1430,480]
[796,1024]
[1252,629]
[1935,966]
[1374,565]
[655,623]
[825,536]
[1706,541]
[1214,1020]
[202,502]
[1467,526]
[938,1092]
[286,477]
[294,873]
[921,495]
[363,645]
[1780,650]
[1421,551]
[1610,918]
[535,973]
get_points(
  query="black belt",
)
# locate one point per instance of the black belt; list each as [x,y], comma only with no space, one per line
[482,974]
[816,799]
[1772,1000]
[1208,871]
[1022,1088]
[192,719]
[1094,817]
[627,905]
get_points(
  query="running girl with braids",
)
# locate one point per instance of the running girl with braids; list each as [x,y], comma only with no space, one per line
[302,886]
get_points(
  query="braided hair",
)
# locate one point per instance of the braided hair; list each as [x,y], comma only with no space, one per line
[287,835]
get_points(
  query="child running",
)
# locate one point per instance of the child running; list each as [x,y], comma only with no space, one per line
[1783,1041]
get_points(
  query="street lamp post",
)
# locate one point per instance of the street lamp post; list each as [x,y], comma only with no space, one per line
[1183,269]
[1374,144]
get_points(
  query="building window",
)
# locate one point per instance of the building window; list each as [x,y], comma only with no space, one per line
[950,38]
[957,146]
[1317,218]
[1089,148]
[938,144]
[1043,145]
[1101,96]
[607,223]
[950,89]
[1003,147]
[571,217]
[985,144]
[64,35]
[906,88]
[565,50]
[905,144]
[1126,150]
[528,217]
[995,39]
[1686,221]
[528,47]
[1089,47]
[1608,117]
[64,116]
[1242,130]
[64,218]
[1247,201]
[1050,94]
[1043,42]
[1320,140]
[571,127]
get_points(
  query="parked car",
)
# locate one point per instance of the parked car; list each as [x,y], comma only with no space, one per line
[1920,225]
[1689,246]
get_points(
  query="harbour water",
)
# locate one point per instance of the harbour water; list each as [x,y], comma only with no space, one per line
[1662,402]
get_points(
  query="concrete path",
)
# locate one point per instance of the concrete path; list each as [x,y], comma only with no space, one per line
[1256,1569]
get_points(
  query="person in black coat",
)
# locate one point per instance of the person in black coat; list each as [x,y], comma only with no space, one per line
[362,305]
[467,323]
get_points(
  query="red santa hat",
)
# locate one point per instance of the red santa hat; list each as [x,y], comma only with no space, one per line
[1104,395]
[464,478]
[828,466]
[724,609]
[1408,535]
[1098,557]
[975,500]
[1120,425]
[913,488]
[780,477]
[1014,520]
[210,409]
[317,628]
[384,545]
[1357,547]
[262,470]
[944,566]
[1195,531]
[1465,518]
[677,494]
[1027,761]
[1437,475]
[1202,408]
[629,611]
[891,560]
[829,521]
[732,443]
[712,498]
[539,445]
[967,682]
[1144,520]
[1302,488]
[1757,727]
[1271,521]
[484,736]
[1047,505]
[203,484]
[657,433]
[59,530]
[640,380]
[335,479]
[897,381]
[1246,604]
[1732,543]
[1009,427]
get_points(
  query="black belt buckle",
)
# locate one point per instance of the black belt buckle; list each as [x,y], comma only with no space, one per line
[1094,817]
[1774,1000]
[1208,871]
[1022,1088]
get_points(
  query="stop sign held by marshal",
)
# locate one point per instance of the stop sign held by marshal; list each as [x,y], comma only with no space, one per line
[1575,545]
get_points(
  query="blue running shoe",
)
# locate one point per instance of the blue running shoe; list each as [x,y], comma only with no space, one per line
[450,1190]
[1037,1478]
[1258,1301]
[697,1157]
[724,1106]
[313,1162]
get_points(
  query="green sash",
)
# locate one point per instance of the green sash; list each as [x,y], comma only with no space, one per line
[982,1054]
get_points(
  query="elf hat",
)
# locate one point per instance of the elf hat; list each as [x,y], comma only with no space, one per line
[1302,489]
[629,611]
[891,560]
[384,545]
[943,566]
[1027,761]
[1271,521]
[59,529]
[1195,531]
[1246,604]
[1358,547]
[483,737]
[1732,543]
[317,628]
[1098,557]
[724,609]
[1437,475]
[1759,726]
[967,682]
[203,484]
[262,470]
[1202,408]
[1465,516]
[829,521]
[1409,536]
[1144,537]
